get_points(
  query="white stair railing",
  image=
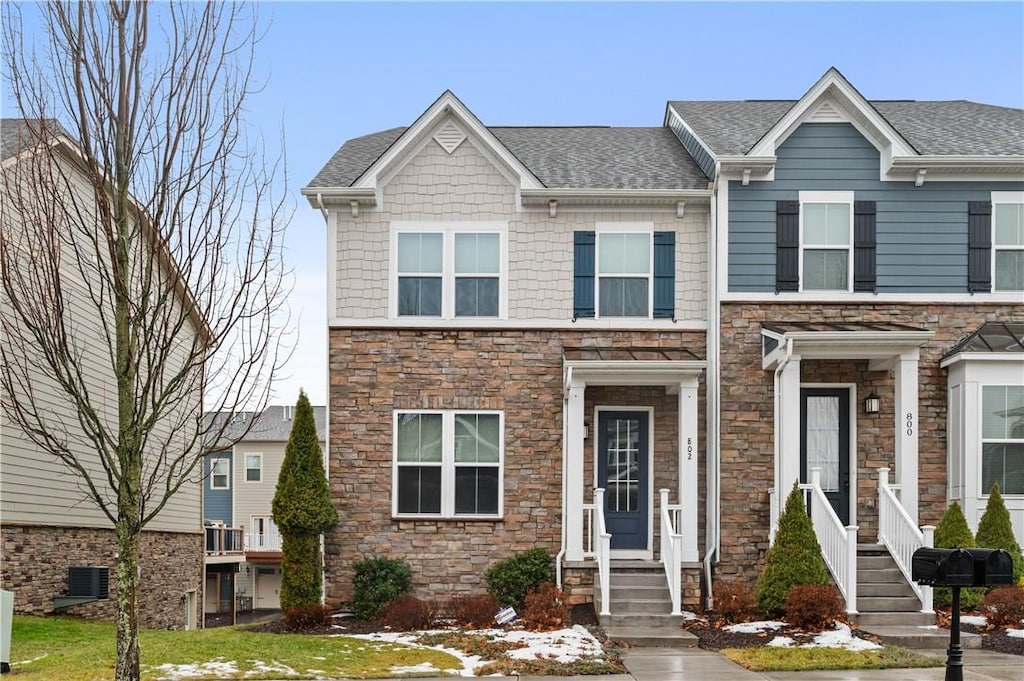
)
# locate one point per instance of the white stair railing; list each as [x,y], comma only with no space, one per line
[672,549]
[602,547]
[838,543]
[898,533]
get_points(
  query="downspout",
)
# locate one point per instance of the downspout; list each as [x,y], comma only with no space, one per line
[561,550]
[713,408]
[777,445]
[320,205]
[327,433]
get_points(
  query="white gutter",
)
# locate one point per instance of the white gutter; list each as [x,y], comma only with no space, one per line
[777,445]
[713,408]
[565,430]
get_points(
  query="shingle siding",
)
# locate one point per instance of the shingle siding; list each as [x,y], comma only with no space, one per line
[921,231]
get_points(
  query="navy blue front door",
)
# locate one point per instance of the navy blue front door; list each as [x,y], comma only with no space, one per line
[623,463]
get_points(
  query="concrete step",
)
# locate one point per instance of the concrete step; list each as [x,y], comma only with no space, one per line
[643,593]
[888,604]
[650,637]
[900,589]
[867,620]
[640,607]
[921,638]
[875,562]
[879,575]
[636,579]
[871,548]
[636,566]
[646,620]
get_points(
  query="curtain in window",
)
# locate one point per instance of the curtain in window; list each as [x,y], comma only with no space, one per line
[823,440]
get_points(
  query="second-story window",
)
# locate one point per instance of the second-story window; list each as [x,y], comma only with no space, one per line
[624,274]
[826,220]
[1008,246]
[219,474]
[253,467]
[448,270]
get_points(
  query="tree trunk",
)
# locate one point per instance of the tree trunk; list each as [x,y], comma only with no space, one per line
[128,534]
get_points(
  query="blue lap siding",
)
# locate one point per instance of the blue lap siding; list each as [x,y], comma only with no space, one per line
[921,231]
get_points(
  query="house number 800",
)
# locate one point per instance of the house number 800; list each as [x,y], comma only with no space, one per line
[910,423]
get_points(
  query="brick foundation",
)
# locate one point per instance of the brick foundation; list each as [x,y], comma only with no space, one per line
[374,372]
[747,454]
[36,561]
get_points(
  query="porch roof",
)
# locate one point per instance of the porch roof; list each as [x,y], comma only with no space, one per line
[881,343]
[990,341]
[669,367]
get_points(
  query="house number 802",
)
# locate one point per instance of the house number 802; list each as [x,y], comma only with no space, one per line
[910,423]
[689,449]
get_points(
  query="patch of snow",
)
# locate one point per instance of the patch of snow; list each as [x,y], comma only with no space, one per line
[841,637]
[34,659]
[275,667]
[754,627]
[688,616]
[216,667]
[1015,633]
[562,645]
[928,626]
[976,620]
[469,662]
[422,668]
[781,642]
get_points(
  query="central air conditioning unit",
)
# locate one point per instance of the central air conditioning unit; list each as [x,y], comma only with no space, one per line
[89,581]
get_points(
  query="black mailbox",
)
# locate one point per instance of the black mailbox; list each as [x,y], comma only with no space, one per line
[992,567]
[942,567]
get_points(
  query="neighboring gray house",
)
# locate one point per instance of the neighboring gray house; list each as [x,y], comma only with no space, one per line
[58,548]
[243,560]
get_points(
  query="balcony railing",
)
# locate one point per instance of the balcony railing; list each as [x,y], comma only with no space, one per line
[262,541]
[223,540]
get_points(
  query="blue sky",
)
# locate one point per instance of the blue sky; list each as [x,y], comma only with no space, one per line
[337,70]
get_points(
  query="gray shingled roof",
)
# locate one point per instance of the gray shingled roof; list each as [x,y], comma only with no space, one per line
[562,158]
[274,424]
[940,128]
[16,135]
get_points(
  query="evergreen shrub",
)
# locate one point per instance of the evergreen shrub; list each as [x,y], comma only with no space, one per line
[995,531]
[953,532]
[511,579]
[376,582]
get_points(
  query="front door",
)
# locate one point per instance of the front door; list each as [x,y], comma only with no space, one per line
[268,588]
[623,455]
[825,444]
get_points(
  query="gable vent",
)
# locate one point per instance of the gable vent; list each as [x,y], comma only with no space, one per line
[449,137]
[826,113]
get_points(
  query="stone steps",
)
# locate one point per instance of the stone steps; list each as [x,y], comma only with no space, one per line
[641,608]
[887,606]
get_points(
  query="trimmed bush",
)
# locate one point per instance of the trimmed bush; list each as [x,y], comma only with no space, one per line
[814,607]
[734,602]
[995,531]
[477,610]
[378,581]
[511,579]
[545,609]
[1004,607]
[953,532]
[794,558]
[302,617]
[406,613]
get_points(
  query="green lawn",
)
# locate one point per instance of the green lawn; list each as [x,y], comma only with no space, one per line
[79,650]
[778,659]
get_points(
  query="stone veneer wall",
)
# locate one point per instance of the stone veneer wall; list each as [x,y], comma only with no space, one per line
[36,561]
[374,372]
[747,414]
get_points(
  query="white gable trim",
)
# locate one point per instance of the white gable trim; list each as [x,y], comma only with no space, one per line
[424,126]
[844,100]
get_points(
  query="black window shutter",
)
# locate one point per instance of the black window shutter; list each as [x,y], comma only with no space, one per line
[787,246]
[584,256]
[664,275]
[864,246]
[979,246]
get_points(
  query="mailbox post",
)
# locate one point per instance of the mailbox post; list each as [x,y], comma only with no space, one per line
[957,568]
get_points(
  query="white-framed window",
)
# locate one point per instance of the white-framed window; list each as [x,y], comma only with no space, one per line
[826,241]
[625,282]
[448,270]
[1008,241]
[254,467]
[220,474]
[1002,438]
[448,463]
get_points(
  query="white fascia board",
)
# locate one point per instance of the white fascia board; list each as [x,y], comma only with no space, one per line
[541,196]
[958,168]
[338,196]
[446,104]
[632,372]
[848,345]
[982,357]
[671,114]
[847,97]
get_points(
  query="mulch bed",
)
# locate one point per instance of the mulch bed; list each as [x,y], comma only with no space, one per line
[711,635]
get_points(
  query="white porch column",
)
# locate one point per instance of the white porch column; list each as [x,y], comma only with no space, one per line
[689,460]
[787,402]
[906,430]
[573,473]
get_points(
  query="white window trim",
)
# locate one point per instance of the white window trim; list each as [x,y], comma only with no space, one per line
[448,465]
[982,440]
[611,228]
[227,473]
[827,197]
[448,230]
[246,468]
[1002,198]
